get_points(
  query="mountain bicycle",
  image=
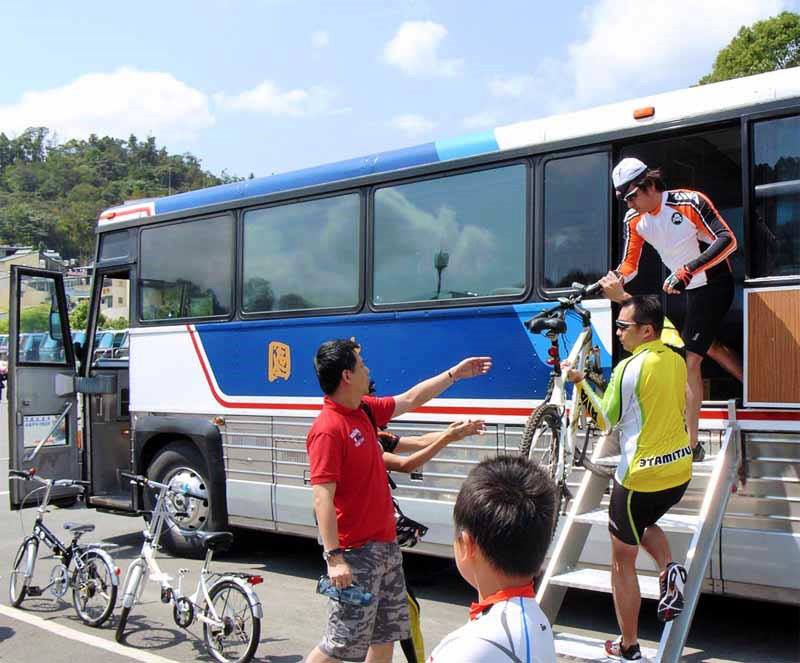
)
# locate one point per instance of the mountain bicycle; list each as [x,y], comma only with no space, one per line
[550,433]
[86,569]
[225,603]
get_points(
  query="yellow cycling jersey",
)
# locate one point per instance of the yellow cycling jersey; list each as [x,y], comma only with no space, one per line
[646,400]
[670,335]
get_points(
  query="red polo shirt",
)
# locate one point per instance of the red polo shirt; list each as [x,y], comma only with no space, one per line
[344,449]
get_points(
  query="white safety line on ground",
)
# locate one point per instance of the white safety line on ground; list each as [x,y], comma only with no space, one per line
[86,638]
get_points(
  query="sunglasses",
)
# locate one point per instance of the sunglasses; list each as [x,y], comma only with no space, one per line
[631,194]
[624,324]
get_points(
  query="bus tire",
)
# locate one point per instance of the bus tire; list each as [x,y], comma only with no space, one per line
[181,463]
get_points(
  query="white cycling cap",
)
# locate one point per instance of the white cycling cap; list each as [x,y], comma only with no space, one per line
[627,175]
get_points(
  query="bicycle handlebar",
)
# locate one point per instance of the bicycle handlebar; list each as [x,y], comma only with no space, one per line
[144,481]
[30,475]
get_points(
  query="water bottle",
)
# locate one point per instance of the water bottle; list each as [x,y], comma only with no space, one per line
[353,594]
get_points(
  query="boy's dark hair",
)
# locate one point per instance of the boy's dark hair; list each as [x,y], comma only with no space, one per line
[507,505]
[647,311]
[331,359]
[653,177]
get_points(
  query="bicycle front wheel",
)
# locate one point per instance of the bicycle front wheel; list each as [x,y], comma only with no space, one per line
[236,638]
[541,439]
[22,571]
[94,593]
[133,578]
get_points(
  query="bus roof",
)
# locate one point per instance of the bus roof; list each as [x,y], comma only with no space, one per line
[668,107]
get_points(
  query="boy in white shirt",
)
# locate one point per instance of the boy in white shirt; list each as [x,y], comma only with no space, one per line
[504,522]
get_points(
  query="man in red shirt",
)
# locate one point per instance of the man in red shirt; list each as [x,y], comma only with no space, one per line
[353,503]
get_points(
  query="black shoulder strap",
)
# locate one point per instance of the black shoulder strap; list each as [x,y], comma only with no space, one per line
[368,410]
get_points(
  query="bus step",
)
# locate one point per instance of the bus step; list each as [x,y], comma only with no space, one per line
[576,647]
[678,523]
[598,580]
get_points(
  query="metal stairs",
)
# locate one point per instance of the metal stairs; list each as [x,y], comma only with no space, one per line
[563,570]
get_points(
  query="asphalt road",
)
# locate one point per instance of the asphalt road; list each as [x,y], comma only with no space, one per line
[724,629]
[48,629]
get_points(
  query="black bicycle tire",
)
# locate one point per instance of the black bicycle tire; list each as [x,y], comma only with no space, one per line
[16,601]
[547,414]
[255,636]
[119,634]
[546,411]
[94,555]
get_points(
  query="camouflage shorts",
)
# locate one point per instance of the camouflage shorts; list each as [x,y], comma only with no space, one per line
[351,629]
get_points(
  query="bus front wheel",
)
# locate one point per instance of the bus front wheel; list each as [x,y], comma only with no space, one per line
[180,465]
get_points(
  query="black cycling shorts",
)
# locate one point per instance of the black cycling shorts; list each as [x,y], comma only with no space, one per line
[630,512]
[706,307]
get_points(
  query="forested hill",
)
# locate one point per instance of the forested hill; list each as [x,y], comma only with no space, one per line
[51,193]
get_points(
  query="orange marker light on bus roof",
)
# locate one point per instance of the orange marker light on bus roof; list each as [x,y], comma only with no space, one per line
[644,112]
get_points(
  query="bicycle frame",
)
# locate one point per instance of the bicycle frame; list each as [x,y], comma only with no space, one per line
[147,565]
[66,553]
[570,409]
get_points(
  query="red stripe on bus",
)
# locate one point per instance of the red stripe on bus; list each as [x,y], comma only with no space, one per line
[463,410]
[231,404]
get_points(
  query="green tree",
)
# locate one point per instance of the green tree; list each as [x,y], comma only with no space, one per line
[79,317]
[35,318]
[116,323]
[765,46]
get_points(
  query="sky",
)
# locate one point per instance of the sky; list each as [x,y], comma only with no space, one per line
[267,86]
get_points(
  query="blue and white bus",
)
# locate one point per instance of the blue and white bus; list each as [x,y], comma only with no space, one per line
[425,255]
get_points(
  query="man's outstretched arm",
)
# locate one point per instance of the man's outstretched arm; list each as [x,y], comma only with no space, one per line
[424,391]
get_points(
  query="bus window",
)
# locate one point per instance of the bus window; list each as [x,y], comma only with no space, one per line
[576,196]
[775,232]
[302,256]
[187,269]
[451,237]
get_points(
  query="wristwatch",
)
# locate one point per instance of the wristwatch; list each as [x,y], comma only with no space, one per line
[327,554]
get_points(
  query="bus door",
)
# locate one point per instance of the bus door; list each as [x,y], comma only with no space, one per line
[42,403]
[772,288]
[107,412]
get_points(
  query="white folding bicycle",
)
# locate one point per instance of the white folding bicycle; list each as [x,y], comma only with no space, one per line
[224,603]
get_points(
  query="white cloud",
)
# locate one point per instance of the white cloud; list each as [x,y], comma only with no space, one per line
[320,39]
[511,86]
[483,120]
[415,50]
[630,41]
[412,125]
[116,104]
[267,97]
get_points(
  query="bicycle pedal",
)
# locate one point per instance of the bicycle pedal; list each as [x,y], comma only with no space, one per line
[34,591]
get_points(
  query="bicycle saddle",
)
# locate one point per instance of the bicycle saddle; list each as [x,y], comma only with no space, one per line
[79,528]
[537,325]
[214,540]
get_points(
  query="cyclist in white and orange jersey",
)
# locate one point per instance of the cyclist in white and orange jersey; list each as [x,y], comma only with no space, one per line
[695,243]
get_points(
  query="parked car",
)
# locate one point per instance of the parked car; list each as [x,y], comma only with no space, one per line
[123,351]
[29,346]
[107,342]
[51,350]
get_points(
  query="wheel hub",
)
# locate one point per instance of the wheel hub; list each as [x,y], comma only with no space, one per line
[187,512]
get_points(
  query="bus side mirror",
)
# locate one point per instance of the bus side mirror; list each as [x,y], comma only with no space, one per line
[55,326]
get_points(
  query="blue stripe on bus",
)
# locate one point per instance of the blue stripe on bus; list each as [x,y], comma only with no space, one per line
[400,349]
[341,170]
[467,146]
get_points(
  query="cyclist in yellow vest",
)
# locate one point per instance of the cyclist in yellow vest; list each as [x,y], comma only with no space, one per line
[646,402]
